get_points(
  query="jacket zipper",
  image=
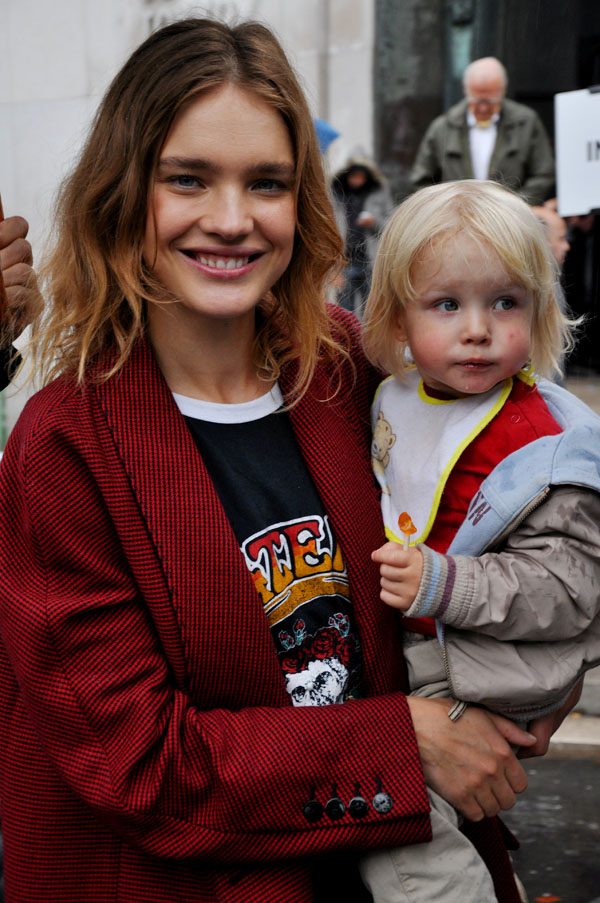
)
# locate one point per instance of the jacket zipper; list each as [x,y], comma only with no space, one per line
[539,499]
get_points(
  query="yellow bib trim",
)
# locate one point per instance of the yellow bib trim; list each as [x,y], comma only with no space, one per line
[506,390]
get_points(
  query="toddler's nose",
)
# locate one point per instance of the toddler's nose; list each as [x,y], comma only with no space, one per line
[476,327]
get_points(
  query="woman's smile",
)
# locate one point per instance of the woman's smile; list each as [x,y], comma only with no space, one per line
[221,264]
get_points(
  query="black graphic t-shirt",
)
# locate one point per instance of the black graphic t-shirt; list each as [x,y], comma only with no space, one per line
[251,453]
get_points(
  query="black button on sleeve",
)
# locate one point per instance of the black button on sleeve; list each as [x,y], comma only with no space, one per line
[313,810]
[358,807]
[334,808]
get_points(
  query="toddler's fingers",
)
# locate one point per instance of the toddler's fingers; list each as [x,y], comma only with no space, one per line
[391,553]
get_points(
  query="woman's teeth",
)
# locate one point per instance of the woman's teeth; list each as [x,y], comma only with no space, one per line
[224,263]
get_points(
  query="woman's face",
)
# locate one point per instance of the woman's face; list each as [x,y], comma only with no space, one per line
[222,212]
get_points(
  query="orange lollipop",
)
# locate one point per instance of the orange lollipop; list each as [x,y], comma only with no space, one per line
[407,527]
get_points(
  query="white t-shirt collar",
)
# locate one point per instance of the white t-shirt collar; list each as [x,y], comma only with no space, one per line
[244,412]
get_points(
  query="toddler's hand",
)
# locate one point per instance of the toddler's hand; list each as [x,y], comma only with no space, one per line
[400,571]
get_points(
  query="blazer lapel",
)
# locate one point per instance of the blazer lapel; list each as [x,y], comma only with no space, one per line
[338,459]
[209,599]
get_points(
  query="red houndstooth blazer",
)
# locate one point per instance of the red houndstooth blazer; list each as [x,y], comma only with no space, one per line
[148,749]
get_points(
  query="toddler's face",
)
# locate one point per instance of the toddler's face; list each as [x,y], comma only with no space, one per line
[469,326]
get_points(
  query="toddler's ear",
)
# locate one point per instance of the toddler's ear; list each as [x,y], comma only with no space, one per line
[399,331]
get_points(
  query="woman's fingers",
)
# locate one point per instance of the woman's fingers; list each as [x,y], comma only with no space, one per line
[468,762]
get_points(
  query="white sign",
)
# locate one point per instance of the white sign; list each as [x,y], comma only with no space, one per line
[577,133]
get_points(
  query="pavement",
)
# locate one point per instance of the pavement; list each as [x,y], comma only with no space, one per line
[557,822]
[557,819]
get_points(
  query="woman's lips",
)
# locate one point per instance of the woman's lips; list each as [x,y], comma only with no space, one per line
[221,265]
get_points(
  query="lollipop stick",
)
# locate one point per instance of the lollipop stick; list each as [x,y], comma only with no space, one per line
[3,298]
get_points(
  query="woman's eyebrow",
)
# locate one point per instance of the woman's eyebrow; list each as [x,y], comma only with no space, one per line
[187,163]
[266,167]
[272,168]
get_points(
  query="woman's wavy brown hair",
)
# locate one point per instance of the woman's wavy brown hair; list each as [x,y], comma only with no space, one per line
[97,281]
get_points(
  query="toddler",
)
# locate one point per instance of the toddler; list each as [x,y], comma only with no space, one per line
[499,470]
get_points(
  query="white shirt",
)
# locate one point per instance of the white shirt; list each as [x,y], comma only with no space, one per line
[481,144]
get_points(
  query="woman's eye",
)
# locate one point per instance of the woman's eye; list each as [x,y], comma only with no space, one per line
[504,304]
[185,181]
[269,185]
[447,305]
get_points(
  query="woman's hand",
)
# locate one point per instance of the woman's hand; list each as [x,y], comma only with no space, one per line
[469,762]
[19,278]
[543,728]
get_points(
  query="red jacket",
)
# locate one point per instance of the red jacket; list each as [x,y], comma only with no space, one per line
[148,748]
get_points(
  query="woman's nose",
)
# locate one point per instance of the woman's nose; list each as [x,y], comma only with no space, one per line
[227,213]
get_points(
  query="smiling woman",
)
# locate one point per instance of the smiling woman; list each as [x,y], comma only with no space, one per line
[193,506]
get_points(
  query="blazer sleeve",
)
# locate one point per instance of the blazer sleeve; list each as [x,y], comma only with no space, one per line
[542,586]
[124,735]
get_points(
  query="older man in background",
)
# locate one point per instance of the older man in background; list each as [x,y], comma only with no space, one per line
[487,136]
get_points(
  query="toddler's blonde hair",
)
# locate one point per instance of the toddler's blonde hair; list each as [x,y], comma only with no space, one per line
[499,220]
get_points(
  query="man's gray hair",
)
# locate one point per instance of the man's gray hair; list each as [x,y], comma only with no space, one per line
[472,68]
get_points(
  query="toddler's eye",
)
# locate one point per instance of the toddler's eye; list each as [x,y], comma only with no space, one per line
[447,305]
[504,304]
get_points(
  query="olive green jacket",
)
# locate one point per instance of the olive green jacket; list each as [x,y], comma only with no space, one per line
[522,157]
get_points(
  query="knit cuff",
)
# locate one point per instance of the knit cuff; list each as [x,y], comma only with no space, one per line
[443,589]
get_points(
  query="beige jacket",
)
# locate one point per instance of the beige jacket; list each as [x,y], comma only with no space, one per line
[540,597]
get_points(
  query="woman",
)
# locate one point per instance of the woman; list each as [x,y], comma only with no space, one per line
[193,581]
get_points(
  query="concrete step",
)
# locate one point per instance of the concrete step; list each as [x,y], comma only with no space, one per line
[579,734]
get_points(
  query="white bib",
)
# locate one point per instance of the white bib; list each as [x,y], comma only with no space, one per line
[417,440]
